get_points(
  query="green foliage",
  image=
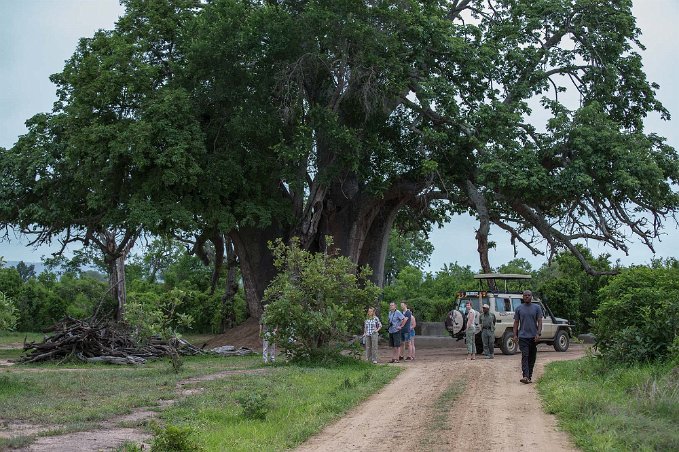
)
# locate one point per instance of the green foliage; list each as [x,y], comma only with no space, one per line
[410,248]
[157,315]
[316,298]
[638,318]
[430,297]
[607,406]
[569,291]
[174,438]
[254,404]
[8,313]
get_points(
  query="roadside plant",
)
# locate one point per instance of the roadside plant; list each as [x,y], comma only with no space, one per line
[316,298]
[254,404]
[152,314]
[174,438]
[8,313]
[638,319]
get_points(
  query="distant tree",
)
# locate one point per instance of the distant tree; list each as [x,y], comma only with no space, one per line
[411,248]
[25,271]
[571,292]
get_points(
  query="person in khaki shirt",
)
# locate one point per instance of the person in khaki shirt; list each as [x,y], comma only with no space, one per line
[487,322]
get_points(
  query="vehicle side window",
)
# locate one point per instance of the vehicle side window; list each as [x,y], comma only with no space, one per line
[516,302]
[500,305]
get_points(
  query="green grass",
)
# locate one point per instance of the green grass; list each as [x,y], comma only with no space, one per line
[299,401]
[608,408]
[14,338]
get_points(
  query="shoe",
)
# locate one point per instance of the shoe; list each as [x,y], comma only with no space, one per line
[488,357]
[492,357]
[530,380]
[525,380]
[409,358]
[374,362]
[400,358]
[393,361]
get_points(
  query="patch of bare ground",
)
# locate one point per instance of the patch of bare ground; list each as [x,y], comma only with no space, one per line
[494,412]
[110,435]
[244,335]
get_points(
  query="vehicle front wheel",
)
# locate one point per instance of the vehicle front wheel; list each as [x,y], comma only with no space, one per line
[508,345]
[561,341]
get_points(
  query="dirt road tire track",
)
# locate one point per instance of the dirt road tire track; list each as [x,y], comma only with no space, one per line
[494,413]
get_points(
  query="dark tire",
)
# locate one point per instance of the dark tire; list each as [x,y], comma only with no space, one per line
[455,323]
[508,345]
[561,341]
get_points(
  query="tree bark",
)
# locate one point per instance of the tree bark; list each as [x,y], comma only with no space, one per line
[115,258]
[228,314]
[256,262]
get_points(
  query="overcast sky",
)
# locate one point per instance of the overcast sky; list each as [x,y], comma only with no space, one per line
[37,36]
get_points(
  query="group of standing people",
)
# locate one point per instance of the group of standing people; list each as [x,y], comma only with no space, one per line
[401,333]
[527,329]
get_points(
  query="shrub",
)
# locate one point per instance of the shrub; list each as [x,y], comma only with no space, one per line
[254,405]
[638,319]
[152,314]
[8,313]
[315,298]
[174,438]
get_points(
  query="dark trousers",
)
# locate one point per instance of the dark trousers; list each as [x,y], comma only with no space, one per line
[529,352]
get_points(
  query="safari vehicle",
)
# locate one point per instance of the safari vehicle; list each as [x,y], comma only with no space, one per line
[503,302]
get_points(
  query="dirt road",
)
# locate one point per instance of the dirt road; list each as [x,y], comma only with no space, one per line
[495,412]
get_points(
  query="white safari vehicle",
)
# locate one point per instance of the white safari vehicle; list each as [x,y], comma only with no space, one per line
[503,301]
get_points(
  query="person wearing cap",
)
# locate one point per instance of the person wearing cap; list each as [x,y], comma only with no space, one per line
[487,321]
[527,329]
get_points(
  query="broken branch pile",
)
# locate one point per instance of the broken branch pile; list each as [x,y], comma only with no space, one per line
[93,340]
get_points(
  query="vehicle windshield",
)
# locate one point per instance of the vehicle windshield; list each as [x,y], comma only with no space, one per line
[475,301]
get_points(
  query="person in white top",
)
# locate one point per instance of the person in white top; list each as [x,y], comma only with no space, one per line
[470,331]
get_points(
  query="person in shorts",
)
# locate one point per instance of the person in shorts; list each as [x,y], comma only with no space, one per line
[405,331]
[396,322]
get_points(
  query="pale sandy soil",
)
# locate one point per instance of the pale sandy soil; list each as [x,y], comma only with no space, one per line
[494,413]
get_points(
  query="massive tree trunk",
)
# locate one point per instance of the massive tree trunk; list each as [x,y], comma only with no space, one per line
[256,262]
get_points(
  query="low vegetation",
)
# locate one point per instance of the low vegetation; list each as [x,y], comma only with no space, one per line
[621,408]
[249,410]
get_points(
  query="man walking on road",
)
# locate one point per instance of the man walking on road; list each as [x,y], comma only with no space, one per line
[396,322]
[527,329]
[487,322]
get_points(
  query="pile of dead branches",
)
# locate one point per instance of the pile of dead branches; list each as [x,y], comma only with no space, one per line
[95,340]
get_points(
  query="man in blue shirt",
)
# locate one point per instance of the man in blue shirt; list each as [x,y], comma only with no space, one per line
[396,321]
[527,330]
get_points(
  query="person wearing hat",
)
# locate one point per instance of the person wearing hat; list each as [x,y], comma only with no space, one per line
[487,321]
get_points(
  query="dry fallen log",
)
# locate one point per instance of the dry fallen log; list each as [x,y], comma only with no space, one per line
[93,340]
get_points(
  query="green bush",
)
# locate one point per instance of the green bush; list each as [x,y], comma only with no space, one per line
[638,319]
[8,313]
[316,298]
[254,404]
[174,438]
[151,314]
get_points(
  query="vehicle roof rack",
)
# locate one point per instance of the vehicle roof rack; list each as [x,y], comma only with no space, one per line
[501,277]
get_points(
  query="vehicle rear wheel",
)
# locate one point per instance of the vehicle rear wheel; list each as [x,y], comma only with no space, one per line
[508,345]
[561,341]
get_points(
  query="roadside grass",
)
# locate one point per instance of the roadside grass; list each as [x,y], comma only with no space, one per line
[614,407]
[296,401]
[77,393]
[17,339]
